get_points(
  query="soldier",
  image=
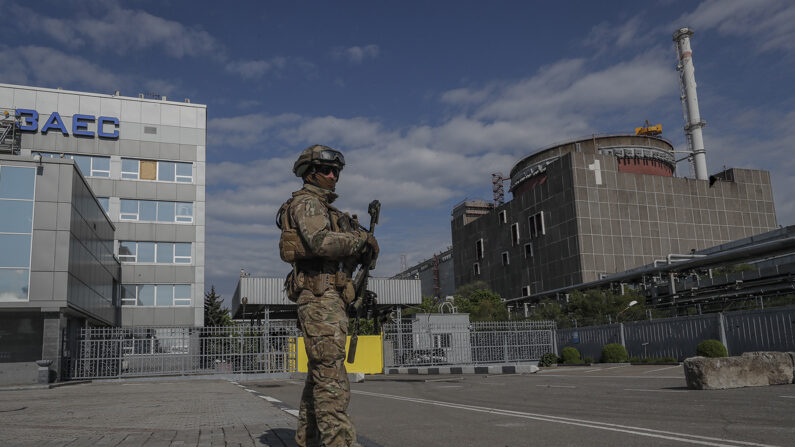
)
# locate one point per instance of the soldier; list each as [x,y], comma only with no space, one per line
[322,291]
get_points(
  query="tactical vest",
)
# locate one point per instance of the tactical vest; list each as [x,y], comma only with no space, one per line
[293,248]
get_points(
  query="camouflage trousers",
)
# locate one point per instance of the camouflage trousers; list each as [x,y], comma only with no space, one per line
[323,419]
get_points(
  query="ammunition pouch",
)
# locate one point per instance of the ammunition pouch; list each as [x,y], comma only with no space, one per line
[319,283]
[294,284]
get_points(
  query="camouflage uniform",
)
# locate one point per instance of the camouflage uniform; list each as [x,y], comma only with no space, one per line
[323,418]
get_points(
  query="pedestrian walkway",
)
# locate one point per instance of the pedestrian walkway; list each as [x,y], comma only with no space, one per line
[143,413]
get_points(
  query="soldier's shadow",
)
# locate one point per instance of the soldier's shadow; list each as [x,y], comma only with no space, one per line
[279,436]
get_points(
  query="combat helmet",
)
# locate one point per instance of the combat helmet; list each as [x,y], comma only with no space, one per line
[318,154]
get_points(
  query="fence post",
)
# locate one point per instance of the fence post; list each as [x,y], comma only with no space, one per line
[621,335]
[554,333]
[722,331]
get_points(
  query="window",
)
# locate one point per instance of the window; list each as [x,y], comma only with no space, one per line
[159,295]
[503,217]
[162,171]
[505,258]
[528,251]
[155,252]
[536,225]
[442,340]
[90,165]
[129,168]
[479,249]
[156,211]
[17,185]
[476,268]
[104,202]
[526,291]
[515,234]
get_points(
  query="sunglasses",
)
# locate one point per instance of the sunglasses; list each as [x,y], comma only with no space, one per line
[326,170]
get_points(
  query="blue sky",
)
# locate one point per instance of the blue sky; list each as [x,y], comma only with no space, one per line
[426,99]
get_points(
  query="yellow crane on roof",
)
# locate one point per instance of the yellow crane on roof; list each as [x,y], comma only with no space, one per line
[649,130]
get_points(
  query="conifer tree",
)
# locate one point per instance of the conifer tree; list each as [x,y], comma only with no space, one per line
[214,313]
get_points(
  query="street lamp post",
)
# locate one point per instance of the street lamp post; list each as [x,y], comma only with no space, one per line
[631,303]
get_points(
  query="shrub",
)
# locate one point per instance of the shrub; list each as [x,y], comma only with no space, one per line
[570,355]
[614,353]
[548,359]
[588,359]
[711,348]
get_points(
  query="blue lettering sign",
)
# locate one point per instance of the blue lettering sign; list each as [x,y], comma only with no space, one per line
[28,120]
[80,125]
[110,121]
[54,122]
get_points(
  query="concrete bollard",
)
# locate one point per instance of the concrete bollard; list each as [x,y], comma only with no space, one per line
[749,369]
[44,371]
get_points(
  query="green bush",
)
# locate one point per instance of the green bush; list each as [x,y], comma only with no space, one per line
[588,359]
[570,355]
[711,348]
[614,353]
[548,359]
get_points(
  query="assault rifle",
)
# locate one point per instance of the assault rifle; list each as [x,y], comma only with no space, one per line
[364,303]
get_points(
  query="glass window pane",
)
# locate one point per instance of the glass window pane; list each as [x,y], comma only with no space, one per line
[148,210]
[126,248]
[129,206]
[14,284]
[84,163]
[165,252]
[184,209]
[182,249]
[104,202]
[146,295]
[182,291]
[16,182]
[129,165]
[185,169]
[165,211]
[14,250]
[165,171]
[165,295]
[127,291]
[146,252]
[16,216]
[101,164]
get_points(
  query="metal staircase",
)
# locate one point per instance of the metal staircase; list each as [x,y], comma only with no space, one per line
[10,135]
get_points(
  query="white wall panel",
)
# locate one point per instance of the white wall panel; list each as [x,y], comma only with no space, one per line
[187,116]
[89,105]
[150,113]
[47,102]
[68,104]
[130,110]
[169,115]
[110,107]
[24,98]
[6,98]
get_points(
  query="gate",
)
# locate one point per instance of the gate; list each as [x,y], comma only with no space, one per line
[429,343]
[145,351]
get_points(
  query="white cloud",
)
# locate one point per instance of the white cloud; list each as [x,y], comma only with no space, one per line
[631,33]
[770,23]
[53,68]
[254,69]
[356,54]
[121,30]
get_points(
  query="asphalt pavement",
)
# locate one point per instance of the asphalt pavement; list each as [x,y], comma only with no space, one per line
[614,405]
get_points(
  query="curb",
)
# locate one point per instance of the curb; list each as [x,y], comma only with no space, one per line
[465,369]
[352,377]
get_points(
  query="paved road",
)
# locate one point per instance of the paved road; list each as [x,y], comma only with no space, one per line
[599,406]
[146,413]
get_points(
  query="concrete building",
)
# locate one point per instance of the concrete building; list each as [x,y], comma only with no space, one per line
[58,272]
[145,161]
[266,295]
[591,207]
[435,274]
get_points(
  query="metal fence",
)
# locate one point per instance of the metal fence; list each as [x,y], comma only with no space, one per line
[770,329]
[131,352]
[421,343]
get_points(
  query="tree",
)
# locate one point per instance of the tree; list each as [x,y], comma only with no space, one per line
[428,305]
[480,303]
[214,313]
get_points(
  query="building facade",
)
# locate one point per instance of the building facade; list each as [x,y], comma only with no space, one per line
[144,159]
[435,275]
[588,208]
[57,268]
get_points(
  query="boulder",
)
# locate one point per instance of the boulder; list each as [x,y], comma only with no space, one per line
[749,369]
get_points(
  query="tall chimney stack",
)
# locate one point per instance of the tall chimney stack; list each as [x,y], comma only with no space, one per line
[687,83]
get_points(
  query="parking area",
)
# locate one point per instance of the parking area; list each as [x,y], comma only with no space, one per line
[568,406]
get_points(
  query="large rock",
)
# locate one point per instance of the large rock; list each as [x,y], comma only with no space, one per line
[749,369]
